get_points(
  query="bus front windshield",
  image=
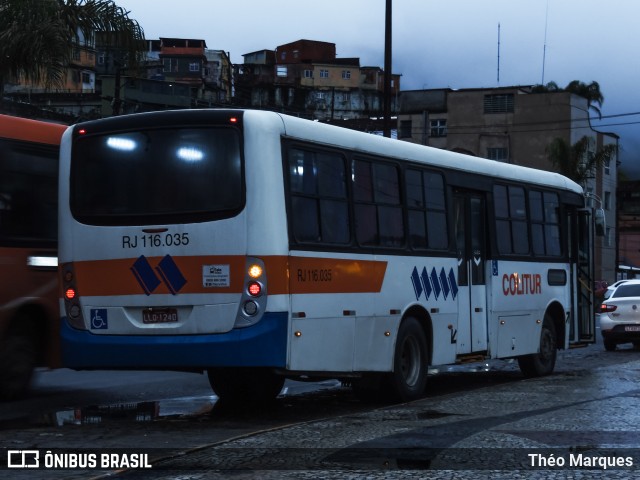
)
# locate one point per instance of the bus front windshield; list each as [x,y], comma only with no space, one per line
[157,176]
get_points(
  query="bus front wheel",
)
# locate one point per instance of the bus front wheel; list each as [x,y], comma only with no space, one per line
[543,362]
[245,385]
[408,380]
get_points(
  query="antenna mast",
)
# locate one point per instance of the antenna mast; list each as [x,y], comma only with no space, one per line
[498,53]
[544,48]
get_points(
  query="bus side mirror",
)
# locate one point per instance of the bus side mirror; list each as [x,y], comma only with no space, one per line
[600,222]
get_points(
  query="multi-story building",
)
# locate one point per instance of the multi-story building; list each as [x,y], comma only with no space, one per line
[75,97]
[628,199]
[177,73]
[306,78]
[515,125]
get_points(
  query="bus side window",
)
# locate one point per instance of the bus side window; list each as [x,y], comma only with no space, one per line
[319,204]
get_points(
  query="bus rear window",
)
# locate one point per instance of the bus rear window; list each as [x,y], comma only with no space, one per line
[157,176]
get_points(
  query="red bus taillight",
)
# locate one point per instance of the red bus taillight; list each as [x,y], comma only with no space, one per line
[254,289]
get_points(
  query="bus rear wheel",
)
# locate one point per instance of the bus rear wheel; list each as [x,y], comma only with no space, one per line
[408,380]
[543,362]
[245,385]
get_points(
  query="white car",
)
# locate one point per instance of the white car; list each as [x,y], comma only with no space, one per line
[620,315]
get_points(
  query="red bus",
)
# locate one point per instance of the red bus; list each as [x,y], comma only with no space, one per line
[29,291]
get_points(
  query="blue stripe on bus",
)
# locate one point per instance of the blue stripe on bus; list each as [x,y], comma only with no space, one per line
[263,345]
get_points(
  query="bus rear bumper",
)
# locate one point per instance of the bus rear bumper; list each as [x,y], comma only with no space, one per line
[261,345]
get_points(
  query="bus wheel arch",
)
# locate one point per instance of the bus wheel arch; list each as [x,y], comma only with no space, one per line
[543,362]
[556,314]
[412,356]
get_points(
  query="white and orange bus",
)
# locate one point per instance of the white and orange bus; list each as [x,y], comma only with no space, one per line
[29,315]
[257,246]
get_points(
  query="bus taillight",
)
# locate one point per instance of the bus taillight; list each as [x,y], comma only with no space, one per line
[254,289]
[255,271]
[71,297]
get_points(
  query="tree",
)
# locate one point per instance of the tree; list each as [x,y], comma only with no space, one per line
[577,161]
[37,36]
[590,91]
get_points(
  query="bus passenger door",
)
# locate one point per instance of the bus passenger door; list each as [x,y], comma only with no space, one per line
[469,208]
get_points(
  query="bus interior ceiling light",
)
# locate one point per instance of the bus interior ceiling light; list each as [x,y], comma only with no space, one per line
[190,154]
[122,144]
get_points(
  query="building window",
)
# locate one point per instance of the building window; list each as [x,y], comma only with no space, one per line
[607,201]
[308,74]
[498,154]
[346,74]
[405,129]
[502,103]
[607,166]
[194,67]
[85,77]
[324,73]
[281,71]
[438,128]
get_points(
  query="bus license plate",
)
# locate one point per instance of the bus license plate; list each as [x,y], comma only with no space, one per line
[632,328]
[159,315]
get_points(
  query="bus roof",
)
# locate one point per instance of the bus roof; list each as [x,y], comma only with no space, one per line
[375,144]
[31,130]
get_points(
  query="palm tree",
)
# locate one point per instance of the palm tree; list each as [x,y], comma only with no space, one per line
[577,161]
[37,36]
[590,91]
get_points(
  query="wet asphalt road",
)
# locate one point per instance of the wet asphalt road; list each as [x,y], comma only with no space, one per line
[477,421]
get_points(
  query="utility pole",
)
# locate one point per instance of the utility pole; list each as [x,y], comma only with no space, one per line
[387,72]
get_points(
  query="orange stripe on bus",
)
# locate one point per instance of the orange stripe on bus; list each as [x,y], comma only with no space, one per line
[334,275]
[285,275]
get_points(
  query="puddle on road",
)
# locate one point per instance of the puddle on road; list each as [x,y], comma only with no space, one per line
[134,412]
[149,411]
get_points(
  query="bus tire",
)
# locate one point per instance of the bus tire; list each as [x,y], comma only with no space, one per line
[245,385]
[543,362]
[408,380]
[18,356]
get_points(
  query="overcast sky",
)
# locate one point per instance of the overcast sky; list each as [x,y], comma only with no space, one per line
[439,44]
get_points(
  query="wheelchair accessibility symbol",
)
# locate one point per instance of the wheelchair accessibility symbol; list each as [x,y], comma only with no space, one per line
[99,319]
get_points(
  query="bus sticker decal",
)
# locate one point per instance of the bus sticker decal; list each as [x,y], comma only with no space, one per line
[216,276]
[415,279]
[453,284]
[445,283]
[434,283]
[143,272]
[426,283]
[99,319]
[171,274]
